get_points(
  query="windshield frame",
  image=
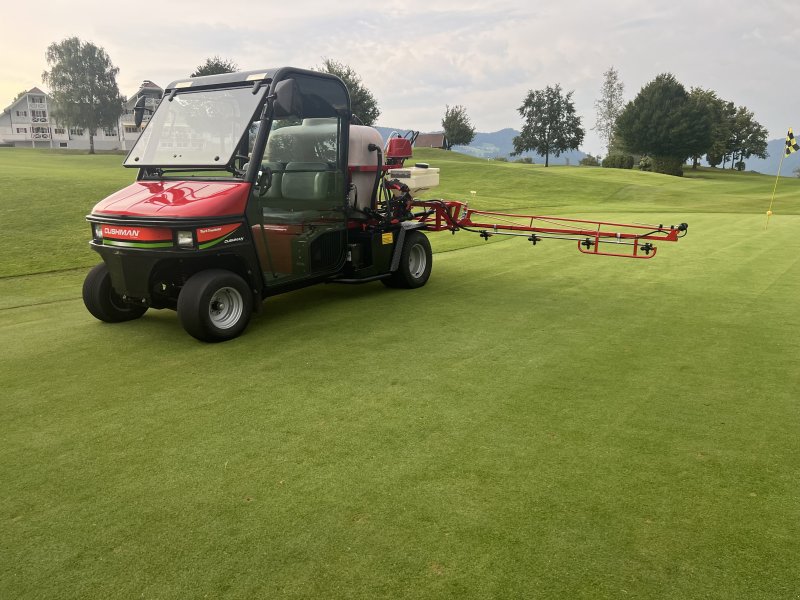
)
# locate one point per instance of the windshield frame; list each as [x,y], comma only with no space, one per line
[226,161]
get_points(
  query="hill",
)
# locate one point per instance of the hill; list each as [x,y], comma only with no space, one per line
[500,144]
[769,165]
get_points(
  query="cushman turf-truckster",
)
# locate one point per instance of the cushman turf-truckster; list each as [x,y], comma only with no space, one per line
[257,183]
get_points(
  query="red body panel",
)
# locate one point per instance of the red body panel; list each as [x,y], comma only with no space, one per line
[206,234]
[177,199]
[141,234]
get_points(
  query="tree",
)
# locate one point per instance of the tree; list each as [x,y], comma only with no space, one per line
[796,172]
[663,123]
[747,138]
[83,86]
[458,130]
[609,106]
[362,102]
[20,95]
[717,110]
[215,66]
[551,125]
[724,115]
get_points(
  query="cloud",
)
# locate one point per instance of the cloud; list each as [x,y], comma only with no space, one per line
[418,56]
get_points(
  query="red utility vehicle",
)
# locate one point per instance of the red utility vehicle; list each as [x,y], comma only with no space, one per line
[256,183]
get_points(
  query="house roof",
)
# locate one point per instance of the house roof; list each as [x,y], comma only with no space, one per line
[33,90]
[430,140]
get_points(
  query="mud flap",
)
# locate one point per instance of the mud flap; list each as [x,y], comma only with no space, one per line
[401,236]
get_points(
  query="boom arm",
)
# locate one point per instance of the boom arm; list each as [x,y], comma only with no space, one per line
[615,239]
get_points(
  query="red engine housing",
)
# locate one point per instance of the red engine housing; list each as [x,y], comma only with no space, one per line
[398,148]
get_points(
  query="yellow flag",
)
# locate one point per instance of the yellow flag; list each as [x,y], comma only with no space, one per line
[791,143]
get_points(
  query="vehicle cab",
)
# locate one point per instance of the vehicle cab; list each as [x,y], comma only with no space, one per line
[248,184]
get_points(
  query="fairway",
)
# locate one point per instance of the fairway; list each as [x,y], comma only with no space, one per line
[533,423]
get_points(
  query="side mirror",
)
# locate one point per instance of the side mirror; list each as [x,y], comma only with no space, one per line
[287,101]
[264,181]
[138,111]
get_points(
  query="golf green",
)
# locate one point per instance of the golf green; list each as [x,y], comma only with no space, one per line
[531,423]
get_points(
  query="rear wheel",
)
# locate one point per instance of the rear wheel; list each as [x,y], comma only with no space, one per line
[416,260]
[215,305]
[103,302]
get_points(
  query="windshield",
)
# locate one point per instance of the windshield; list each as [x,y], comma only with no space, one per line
[196,129]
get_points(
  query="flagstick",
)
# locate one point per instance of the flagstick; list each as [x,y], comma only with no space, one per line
[769,211]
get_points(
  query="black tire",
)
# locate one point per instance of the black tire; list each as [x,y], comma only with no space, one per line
[215,305]
[416,261]
[103,302]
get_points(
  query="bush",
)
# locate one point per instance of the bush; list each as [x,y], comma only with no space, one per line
[501,158]
[526,160]
[618,160]
[646,163]
[668,165]
[589,161]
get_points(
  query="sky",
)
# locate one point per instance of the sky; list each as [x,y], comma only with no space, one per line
[419,56]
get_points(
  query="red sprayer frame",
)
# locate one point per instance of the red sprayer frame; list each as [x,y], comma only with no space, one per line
[637,239]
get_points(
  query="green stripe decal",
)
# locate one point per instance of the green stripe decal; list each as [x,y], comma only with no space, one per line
[216,241]
[137,244]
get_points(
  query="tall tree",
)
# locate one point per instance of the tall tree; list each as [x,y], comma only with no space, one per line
[747,138]
[551,125]
[215,66]
[663,123]
[362,102]
[83,86]
[706,102]
[609,106]
[458,129]
[721,131]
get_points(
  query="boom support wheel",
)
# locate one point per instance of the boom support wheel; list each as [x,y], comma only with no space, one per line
[215,305]
[416,261]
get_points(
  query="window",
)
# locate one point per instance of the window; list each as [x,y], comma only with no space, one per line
[22,130]
[110,132]
[62,144]
[207,127]
[22,113]
[76,131]
[131,129]
[40,129]
[59,131]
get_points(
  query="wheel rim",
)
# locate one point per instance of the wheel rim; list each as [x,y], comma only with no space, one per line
[417,261]
[225,308]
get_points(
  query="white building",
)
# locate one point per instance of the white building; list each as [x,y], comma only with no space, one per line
[28,123]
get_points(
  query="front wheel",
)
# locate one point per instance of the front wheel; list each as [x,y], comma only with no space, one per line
[416,260]
[215,305]
[103,302]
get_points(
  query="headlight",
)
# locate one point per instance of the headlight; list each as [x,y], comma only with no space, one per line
[98,231]
[185,239]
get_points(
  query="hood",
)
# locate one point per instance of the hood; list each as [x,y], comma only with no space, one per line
[189,199]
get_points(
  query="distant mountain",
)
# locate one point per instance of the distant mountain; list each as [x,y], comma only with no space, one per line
[499,144]
[769,165]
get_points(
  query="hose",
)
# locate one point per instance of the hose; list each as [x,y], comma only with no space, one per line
[378,172]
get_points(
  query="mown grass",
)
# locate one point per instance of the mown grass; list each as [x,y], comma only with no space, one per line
[532,423]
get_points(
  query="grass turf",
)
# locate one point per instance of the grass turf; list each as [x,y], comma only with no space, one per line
[532,423]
